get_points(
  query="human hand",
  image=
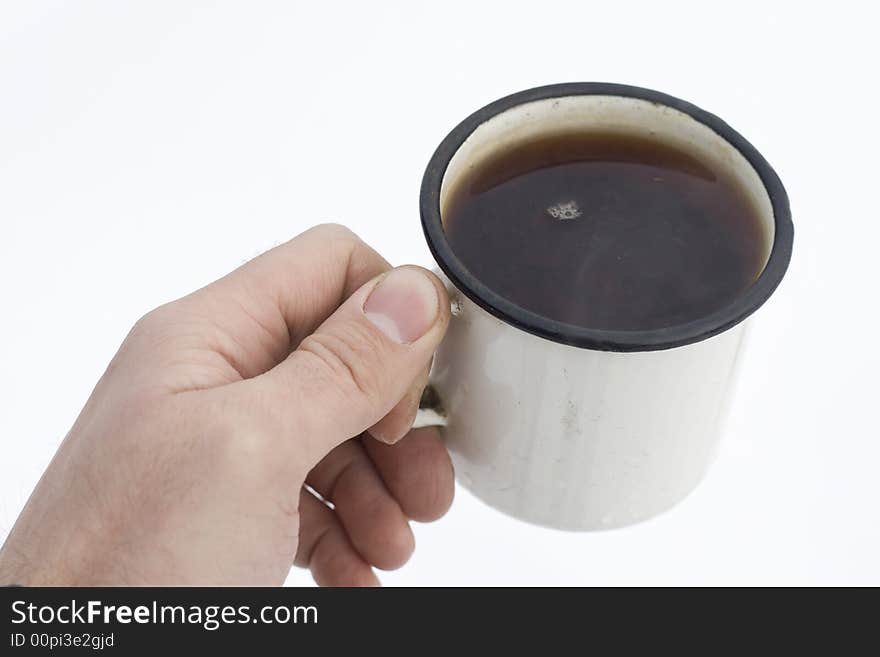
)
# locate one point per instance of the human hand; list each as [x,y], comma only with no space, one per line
[188,464]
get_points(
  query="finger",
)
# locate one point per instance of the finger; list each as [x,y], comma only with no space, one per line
[258,313]
[399,419]
[417,471]
[325,549]
[372,518]
[357,365]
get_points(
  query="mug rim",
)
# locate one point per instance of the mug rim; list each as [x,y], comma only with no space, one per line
[605,339]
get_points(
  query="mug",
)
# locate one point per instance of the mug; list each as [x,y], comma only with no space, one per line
[577,428]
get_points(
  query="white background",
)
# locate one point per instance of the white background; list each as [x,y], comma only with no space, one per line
[148,148]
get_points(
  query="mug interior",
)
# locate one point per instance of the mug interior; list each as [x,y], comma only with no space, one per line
[617,109]
[616,115]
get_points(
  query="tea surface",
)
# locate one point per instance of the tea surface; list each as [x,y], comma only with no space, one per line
[605,231]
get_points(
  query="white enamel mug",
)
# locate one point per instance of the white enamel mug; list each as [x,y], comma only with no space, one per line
[576,428]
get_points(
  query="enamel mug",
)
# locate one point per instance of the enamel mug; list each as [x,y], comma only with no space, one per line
[570,427]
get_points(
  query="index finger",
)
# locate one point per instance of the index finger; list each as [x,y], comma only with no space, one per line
[269,304]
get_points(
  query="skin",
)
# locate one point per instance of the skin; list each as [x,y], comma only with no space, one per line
[194,460]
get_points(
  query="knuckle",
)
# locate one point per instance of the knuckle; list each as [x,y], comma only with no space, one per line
[236,431]
[156,320]
[437,495]
[146,323]
[260,461]
[351,357]
[336,232]
[395,548]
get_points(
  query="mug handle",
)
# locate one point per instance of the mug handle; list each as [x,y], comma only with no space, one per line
[431,412]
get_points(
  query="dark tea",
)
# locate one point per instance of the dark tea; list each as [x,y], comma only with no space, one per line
[606,231]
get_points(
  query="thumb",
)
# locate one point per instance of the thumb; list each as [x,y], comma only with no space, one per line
[360,362]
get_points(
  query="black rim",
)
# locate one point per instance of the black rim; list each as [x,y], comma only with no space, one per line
[605,340]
